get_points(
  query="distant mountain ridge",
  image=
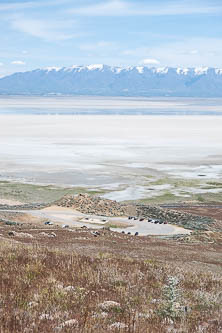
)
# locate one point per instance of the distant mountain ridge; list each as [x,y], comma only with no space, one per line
[103,80]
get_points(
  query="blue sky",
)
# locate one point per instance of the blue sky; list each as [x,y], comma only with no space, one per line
[42,33]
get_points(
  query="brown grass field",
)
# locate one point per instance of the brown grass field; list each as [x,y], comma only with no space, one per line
[56,280]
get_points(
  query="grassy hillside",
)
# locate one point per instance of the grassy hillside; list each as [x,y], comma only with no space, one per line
[54,290]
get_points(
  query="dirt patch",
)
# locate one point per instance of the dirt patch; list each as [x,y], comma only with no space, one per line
[20,218]
[9,202]
[215,213]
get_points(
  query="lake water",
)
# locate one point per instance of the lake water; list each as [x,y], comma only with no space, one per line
[116,144]
[109,106]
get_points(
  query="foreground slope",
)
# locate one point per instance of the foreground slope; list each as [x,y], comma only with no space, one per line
[69,281]
[115,81]
[79,279]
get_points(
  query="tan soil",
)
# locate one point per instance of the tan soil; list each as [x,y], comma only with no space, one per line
[10,202]
[215,213]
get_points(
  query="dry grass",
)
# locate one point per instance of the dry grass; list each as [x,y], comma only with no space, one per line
[152,296]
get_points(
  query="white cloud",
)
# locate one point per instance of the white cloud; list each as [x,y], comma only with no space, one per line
[47,30]
[1,64]
[150,61]
[188,52]
[126,8]
[18,62]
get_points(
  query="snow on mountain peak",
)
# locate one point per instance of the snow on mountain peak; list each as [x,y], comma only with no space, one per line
[128,68]
[182,71]
[117,70]
[95,67]
[75,68]
[162,70]
[50,69]
[218,71]
[140,69]
[201,70]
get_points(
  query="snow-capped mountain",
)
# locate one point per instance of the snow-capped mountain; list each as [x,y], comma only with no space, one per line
[116,81]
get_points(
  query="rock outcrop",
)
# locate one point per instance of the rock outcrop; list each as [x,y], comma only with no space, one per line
[88,204]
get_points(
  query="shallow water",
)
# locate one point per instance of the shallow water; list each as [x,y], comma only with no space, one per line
[83,105]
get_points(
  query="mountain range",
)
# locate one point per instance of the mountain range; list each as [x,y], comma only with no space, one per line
[105,80]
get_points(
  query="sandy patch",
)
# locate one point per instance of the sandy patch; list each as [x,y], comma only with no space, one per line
[60,209]
[179,230]
[56,208]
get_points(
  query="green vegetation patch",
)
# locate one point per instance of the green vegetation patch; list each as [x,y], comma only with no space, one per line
[177,182]
[29,193]
[163,198]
